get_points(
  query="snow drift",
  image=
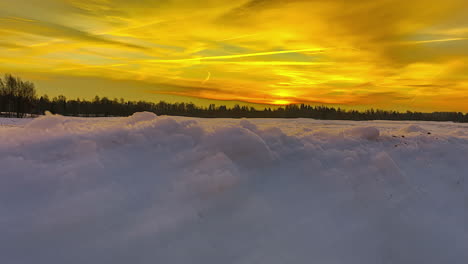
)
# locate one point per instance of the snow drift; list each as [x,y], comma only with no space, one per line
[148,189]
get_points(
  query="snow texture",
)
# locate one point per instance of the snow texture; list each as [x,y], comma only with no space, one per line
[149,189]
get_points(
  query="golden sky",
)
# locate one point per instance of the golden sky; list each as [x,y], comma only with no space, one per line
[390,54]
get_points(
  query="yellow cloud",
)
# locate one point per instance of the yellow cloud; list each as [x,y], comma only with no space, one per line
[355,54]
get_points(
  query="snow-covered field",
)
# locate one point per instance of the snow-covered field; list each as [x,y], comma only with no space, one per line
[149,189]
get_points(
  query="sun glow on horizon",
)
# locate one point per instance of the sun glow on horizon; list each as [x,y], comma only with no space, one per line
[347,53]
[281,102]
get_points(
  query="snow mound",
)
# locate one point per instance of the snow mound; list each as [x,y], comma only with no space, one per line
[141,117]
[369,133]
[241,145]
[413,129]
[248,125]
[48,121]
[148,189]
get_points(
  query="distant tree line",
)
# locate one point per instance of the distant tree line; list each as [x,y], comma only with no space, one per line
[18,99]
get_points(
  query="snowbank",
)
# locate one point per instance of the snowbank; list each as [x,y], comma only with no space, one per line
[149,189]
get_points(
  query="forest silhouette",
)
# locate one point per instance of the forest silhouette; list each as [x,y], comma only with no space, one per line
[19,98]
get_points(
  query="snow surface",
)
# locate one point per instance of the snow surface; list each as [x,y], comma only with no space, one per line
[148,189]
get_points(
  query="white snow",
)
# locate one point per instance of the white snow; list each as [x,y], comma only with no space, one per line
[370,133]
[148,189]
